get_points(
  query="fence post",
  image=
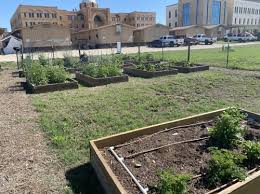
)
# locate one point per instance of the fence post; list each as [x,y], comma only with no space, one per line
[228,48]
[189,52]
[139,54]
[79,50]
[162,52]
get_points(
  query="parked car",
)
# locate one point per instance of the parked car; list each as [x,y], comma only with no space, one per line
[235,37]
[250,37]
[202,38]
[171,41]
[258,36]
[191,41]
[156,43]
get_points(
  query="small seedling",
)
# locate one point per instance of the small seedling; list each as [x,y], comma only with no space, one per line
[173,183]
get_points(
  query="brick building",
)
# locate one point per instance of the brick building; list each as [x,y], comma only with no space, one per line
[28,15]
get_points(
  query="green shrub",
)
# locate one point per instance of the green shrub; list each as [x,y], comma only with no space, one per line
[37,74]
[69,61]
[252,151]
[154,67]
[58,62]
[228,129]
[56,75]
[173,184]
[104,68]
[43,61]
[223,167]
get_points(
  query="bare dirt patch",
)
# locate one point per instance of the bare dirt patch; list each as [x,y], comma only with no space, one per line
[26,164]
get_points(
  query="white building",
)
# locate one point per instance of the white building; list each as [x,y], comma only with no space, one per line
[172,15]
[246,14]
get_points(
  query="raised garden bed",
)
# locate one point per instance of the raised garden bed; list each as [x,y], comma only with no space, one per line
[73,69]
[190,69]
[33,89]
[91,81]
[148,74]
[180,144]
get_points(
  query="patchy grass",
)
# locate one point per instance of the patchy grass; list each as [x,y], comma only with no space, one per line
[244,57]
[72,118]
[7,64]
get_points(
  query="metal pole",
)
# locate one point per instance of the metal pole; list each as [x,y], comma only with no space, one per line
[17,60]
[162,52]
[139,54]
[79,50]
[227,55]
[189,52]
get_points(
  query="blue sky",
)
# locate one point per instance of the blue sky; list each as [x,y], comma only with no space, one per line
[158,6]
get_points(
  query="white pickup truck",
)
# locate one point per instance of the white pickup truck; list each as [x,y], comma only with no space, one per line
[171,41]
[202,38]
[239,37]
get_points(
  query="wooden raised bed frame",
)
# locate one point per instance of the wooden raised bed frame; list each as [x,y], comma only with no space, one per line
[32,89]
[149,74]
[92,82]
[113,186]
[195,68]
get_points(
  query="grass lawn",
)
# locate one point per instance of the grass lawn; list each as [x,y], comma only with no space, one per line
[244,57]
[72,118]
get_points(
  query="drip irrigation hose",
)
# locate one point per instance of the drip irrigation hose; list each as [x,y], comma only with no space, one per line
[164,146]
[163,131]
[120,160]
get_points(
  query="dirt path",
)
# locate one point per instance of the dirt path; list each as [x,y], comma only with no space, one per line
[26,164]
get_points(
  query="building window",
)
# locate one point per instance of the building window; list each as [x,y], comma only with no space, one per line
[24,15]
[89,37]
[97,36]
[186,14]
[235,20]
[170,24]
[26,24]
[216,9]
[176,13]
[170,14]
[176,24]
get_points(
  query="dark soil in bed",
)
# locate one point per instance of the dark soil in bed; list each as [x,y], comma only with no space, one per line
[188,158]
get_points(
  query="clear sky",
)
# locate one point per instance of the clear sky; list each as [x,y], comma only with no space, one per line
[8,7]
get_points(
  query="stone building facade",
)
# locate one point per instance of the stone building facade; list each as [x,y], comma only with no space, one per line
[27,16]
[172,16]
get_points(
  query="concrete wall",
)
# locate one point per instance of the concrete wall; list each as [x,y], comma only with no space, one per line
[45,36]
[105,35]
[148,34]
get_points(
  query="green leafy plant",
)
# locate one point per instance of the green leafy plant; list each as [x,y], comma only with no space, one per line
[173,183]
[223,167]
[154,67]
[37,74]
[69,61]
[43,61]
[228,129]
[252,152]
[103,68]
[56,75]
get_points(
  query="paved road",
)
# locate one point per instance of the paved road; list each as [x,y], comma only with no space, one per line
[126,50]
